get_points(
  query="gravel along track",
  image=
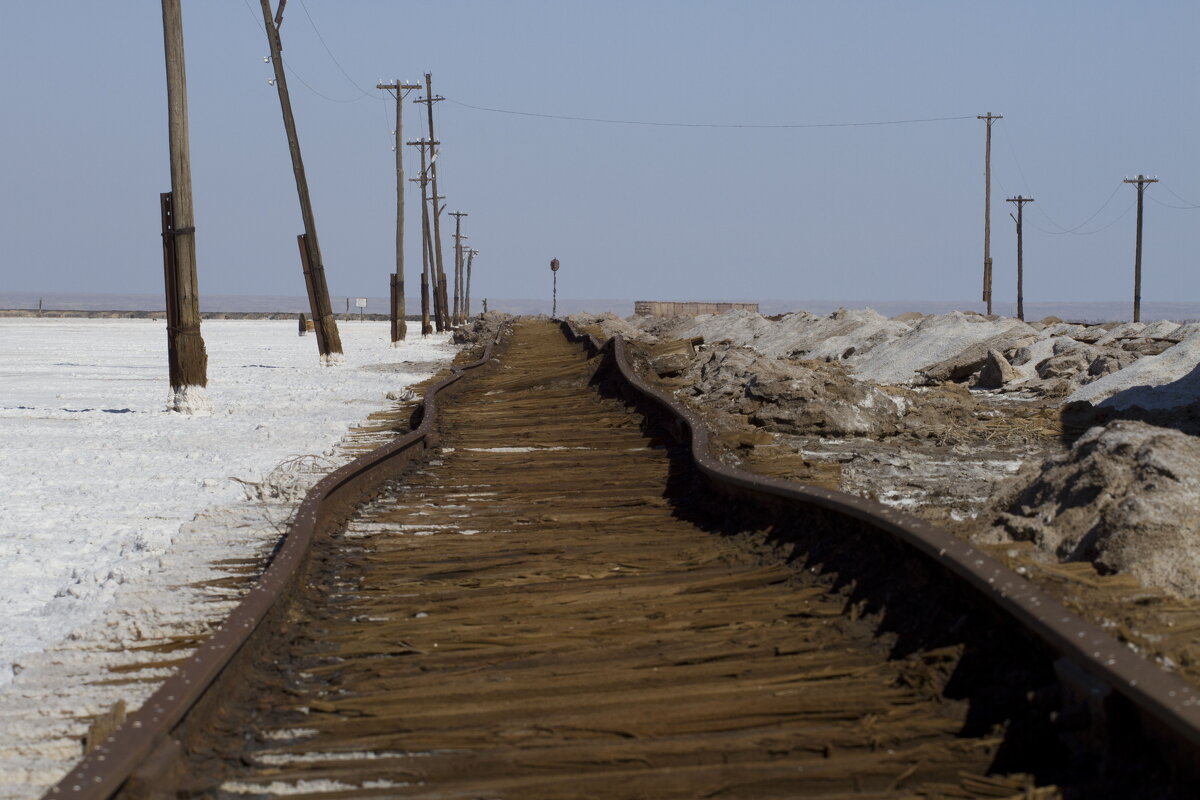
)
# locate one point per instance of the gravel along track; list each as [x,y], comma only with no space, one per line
[553,607]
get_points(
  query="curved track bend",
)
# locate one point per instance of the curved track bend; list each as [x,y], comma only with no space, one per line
[559,602]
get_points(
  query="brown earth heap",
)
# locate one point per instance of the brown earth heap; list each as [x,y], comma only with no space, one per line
[1123,498]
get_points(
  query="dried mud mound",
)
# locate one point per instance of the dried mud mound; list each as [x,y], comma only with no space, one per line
[1124,498]
[782,396]
[612,325]
[1048,359]
[481,329]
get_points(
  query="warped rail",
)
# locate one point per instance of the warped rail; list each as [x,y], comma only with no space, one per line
[554,588]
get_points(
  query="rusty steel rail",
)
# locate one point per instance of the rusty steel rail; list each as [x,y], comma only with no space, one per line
[1171,704]
[134,756]
[145,745]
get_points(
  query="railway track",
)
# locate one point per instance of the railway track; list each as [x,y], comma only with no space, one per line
[552,589]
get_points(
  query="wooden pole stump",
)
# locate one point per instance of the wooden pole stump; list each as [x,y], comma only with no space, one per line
[187,358]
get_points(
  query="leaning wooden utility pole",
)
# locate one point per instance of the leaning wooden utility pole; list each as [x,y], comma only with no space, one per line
[187,358]
[1141,181]
[458,266]
[471,253]
[398,90]
[1020,201]
[987,211]
[329,342]
[429,100]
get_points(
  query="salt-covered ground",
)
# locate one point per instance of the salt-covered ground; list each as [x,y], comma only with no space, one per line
[113,506]
[1169,380]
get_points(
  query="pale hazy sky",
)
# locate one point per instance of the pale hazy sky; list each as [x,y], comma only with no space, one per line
[1091,92]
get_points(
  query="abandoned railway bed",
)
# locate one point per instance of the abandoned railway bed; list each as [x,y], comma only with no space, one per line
[552,588]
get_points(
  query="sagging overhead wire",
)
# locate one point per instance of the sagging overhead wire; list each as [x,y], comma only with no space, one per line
[1076,232]
[329,52]
[704,124]
[296,75]
[1188,204]
[1062,230]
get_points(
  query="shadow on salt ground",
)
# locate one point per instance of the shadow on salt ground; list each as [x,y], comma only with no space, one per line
[1170,405]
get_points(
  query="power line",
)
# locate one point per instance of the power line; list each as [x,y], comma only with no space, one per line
[1074,231]
[1061,229]
[318,93]
[704,124]
[332,58]
[1189,204]
[1154,199]
[1181,199]
[297,75]
[1012,152]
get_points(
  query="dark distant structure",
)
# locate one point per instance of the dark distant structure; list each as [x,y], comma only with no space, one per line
[658,308]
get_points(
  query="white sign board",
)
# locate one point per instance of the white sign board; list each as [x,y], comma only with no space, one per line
[360,302]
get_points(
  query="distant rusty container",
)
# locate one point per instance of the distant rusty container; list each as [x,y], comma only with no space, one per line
[656,308]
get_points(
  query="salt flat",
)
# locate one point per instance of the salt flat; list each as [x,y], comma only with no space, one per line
[113,505]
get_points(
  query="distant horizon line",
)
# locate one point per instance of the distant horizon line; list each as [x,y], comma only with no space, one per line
[216,303]
[5,297]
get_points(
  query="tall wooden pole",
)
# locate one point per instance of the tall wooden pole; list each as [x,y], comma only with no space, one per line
[443,285]
[1141,181]
[399,326]
[329,342]
[426,329]
[187,357]
[429,273]
[467,298]
[458,265]
[429,100]
[1020,201]
[398,90]
[987,211]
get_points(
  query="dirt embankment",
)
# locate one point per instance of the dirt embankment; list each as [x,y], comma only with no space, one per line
[479,330]
[1022,430]
[1033,440]
[790,398]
